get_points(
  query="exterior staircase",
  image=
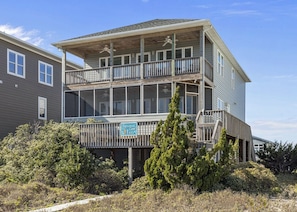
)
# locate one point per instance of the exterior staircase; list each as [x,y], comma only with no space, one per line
[209,124]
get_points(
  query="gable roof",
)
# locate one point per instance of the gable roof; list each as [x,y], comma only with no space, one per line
[138,26]
[154,26]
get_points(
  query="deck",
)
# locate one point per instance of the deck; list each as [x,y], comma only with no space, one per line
[208,127]
[147,70]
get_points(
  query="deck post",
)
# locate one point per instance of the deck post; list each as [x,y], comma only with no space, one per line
[244,150]
[64,59]
[130,164]
[173,54]
[141,57]
[249,151]
[202,70]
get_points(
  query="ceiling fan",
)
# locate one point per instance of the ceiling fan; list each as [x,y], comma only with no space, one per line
[106,49]
[167,40]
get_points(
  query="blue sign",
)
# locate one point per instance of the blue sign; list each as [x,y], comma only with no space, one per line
[128,129]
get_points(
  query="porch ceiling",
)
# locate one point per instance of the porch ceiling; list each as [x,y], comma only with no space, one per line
[132,42]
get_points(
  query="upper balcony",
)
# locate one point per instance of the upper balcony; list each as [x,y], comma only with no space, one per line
[146,70]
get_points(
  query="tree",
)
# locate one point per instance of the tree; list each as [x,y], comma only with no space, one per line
[174,159]
[203,172]
[50,154]
[166,166]
[279,157]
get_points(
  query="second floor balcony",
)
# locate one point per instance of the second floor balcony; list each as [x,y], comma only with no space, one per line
[146,70]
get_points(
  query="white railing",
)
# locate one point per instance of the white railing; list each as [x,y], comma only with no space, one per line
[187,65]
[138,71]
[157,69]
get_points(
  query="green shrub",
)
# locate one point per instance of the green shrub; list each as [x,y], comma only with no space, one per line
[279,157]
[251,177]
[140,184]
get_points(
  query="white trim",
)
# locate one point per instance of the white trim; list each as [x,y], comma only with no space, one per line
[220,63]
[16,64]
[45,77]
[233,78]
[145,53]
[170,50]
[220,104]
[40,99]
[115,56]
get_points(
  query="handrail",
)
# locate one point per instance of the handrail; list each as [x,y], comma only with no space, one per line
[145,70]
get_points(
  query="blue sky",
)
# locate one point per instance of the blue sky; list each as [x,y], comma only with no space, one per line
[260,34]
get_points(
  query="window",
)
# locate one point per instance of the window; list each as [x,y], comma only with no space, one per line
[233,79]
[179,53]
[45,73]
[42,108]
[146,57]
[220,104]
[71,104]
[117,60]
[220,64]
[15,63]
[102,99]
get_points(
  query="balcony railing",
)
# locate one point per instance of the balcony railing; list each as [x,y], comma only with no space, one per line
[138,71]
[107,135]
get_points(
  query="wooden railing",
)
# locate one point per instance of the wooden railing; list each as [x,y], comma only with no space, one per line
[206,121]
[107,135]
[138,71]
[157,69]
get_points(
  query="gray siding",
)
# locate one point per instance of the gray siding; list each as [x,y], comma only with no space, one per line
[223,88]
[19,96]
[92,61]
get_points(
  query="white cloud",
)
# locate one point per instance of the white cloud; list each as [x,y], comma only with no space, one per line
[240,12]
[30,36]
[202,6]
[241,3]
[275,130]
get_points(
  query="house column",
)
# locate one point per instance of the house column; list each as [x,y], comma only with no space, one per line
[130,164]
[63,85]
[173,54]
[244,150]
[202,70]
[249,150]
[111,60]
[141,57]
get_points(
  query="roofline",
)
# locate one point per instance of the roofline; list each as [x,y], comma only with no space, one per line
[219,41]
[193,23]
[37,50]
[261,139]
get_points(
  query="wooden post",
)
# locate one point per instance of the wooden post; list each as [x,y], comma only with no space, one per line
[249,150]
[111,61]
[173,55]
[141,57]
[130,164]
[202,70]
[63,85]
[244,150]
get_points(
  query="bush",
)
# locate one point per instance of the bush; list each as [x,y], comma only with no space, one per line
[279,157]
[140,184]
[49,154]
[107,178]
[251,177]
